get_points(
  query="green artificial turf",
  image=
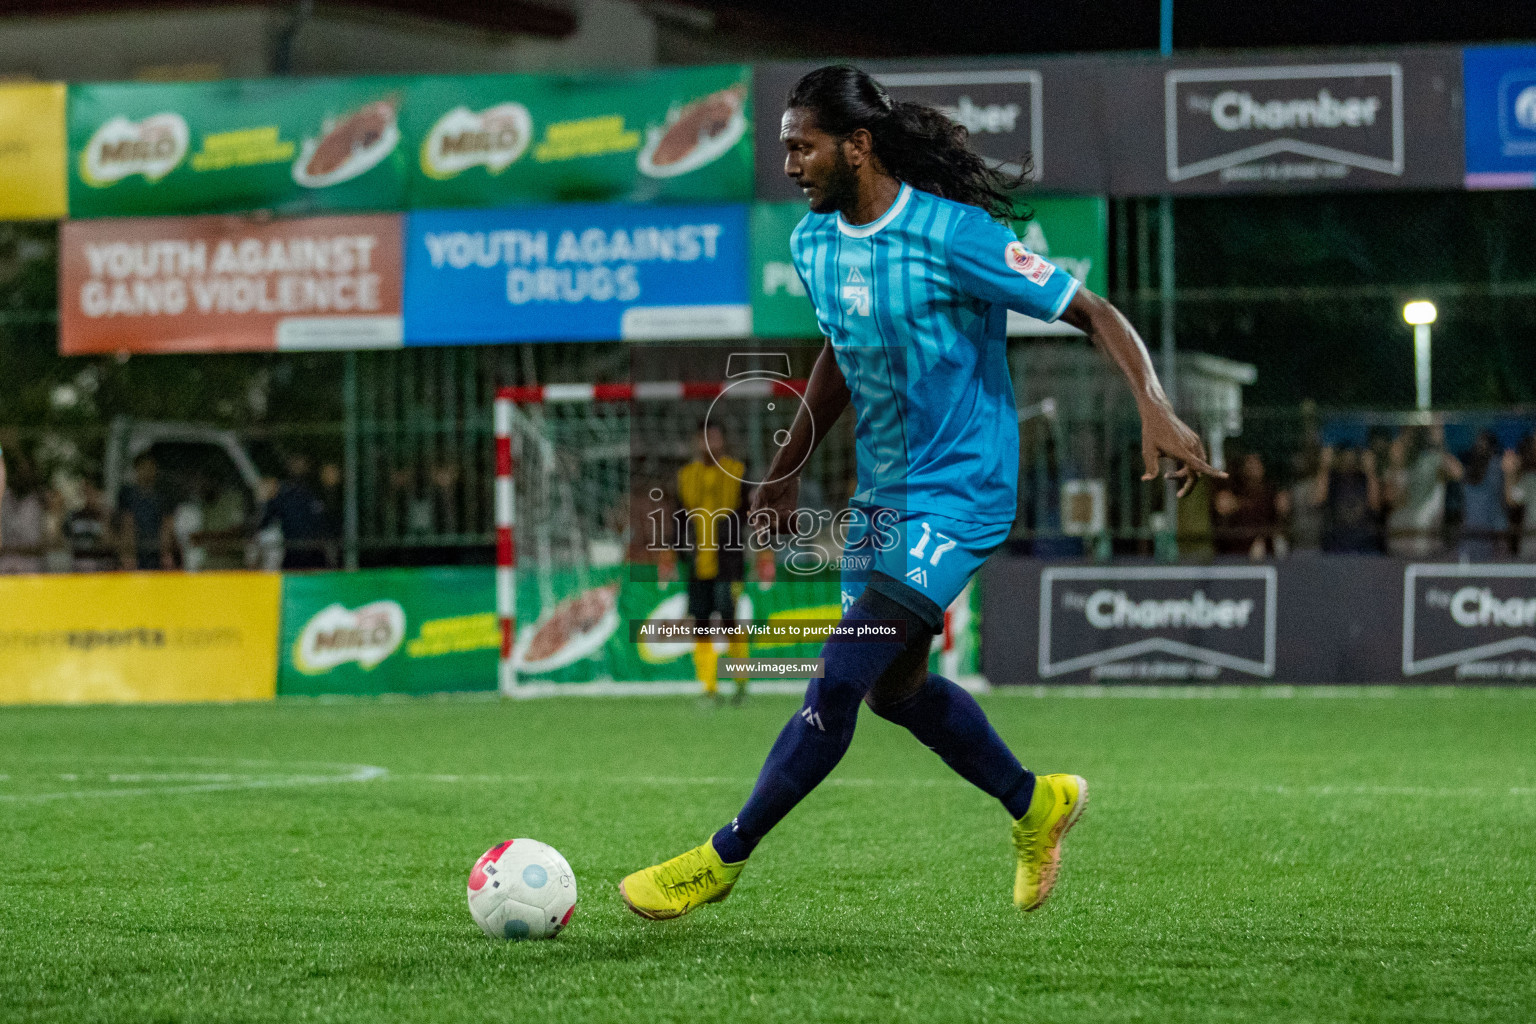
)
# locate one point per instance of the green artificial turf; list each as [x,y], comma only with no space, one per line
[1244,858]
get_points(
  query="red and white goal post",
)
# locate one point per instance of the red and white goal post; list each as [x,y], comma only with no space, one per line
[564,451]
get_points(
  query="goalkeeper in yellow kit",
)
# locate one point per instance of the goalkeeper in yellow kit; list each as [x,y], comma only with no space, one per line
[711,500]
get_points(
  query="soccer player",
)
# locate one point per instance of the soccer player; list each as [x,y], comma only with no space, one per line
[912,276]
[709,492]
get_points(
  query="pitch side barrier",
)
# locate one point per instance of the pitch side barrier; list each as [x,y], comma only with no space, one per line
[1306,619]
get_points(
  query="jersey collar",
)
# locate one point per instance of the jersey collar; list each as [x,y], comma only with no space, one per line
[865,230]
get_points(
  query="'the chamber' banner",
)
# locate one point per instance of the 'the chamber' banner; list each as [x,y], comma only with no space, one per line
[229,284]
[1322,120]
[1310,618]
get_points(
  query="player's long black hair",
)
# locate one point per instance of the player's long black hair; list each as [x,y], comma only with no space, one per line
[915,143]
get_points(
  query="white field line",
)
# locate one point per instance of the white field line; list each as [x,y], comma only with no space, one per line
[217,784]
[306,774]
[1416,792]
[1216,691]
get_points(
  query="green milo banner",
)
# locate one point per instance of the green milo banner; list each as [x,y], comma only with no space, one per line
[388,631]
[1068,230]
[577,628]
[291,145]
[492,140]
[435,630]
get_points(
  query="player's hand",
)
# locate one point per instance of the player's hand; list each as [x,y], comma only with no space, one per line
[773,505]
[1163,434]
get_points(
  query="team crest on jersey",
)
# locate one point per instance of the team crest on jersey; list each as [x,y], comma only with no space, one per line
[1027,263]
[856,294]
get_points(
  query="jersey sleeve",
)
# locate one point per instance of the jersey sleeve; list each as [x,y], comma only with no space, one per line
[988,262]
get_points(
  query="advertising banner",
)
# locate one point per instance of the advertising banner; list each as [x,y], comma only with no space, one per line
[1470,623]
[585,636]
[32,151]
[1500,84]
[291,145]
[1039,115]
[1071,231]
[498,140]
[138,637]
[780,306]
[1114,619]
[576,273]
[389,631]
[1285,122]
[228,284]
[1309,618]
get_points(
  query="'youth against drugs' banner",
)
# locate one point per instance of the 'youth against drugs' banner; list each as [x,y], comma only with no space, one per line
[576,273]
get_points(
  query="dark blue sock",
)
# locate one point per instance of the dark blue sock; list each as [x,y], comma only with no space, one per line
[951,724]
[809,747]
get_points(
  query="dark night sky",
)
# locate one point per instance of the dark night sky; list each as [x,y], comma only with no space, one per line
[922,27]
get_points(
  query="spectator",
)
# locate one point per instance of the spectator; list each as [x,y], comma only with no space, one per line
[23,528]
[1413,487]
[1298,505]
[265,550]
[56,554]
[445,488]
[1245,512]
[88,532]
[1484,518]
[333,497]
[226,522]
[1522,495]
[188,525]
[1349,493]
[298,512]
[142,524]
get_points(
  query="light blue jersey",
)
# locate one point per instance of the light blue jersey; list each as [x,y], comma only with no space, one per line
[916,305]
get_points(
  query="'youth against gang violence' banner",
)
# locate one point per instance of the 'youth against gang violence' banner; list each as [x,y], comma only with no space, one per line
[229,284]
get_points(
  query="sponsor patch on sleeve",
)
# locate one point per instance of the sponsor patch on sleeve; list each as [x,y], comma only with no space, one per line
[1027,263]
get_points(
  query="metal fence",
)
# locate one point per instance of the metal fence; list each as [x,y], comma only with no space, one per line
[425,483]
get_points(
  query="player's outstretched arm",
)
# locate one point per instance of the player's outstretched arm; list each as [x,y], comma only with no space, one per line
[826,396]
[1162,432]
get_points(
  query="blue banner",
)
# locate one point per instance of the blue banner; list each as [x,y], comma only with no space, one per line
[1500,87]
[576,273]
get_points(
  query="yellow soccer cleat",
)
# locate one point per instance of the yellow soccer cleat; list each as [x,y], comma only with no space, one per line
[673,888]
[1057,804]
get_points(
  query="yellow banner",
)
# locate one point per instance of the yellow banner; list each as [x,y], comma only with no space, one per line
[32,152]
[138,637]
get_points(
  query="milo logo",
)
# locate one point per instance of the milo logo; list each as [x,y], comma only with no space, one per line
[337,635]
[121,148]
[493,138]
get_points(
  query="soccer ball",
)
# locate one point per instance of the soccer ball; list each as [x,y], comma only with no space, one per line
[522,889]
